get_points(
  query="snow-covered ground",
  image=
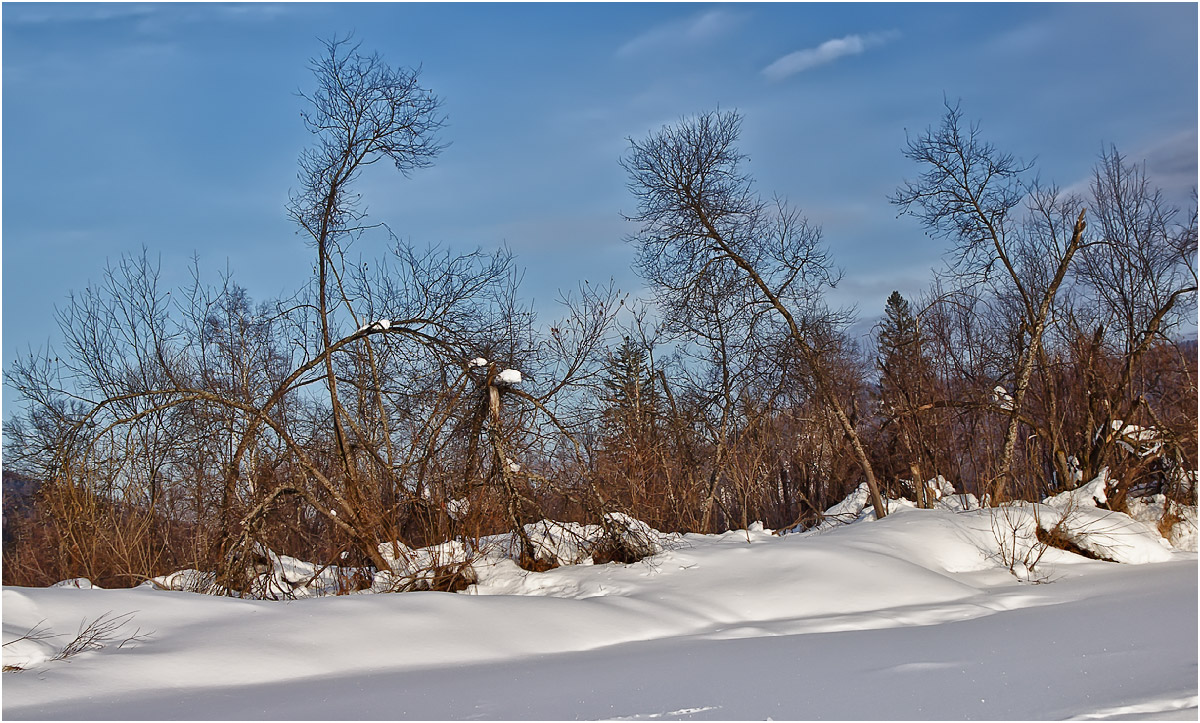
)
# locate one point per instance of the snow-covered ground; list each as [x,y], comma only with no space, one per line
[916,616]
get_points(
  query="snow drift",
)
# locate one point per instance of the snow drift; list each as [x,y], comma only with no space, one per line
[918,615]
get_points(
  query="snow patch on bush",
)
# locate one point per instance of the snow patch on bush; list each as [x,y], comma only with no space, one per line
[848,510]
[190,580]
[1092,494]
[79,583]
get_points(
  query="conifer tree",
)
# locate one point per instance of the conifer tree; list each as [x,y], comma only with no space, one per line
[629,395]
[900,348]
[903,387]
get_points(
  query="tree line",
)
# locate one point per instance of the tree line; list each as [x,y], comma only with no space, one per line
[415,398]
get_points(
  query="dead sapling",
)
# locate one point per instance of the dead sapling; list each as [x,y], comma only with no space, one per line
[100,633]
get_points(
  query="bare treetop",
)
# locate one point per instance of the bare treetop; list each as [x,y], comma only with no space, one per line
[362,110]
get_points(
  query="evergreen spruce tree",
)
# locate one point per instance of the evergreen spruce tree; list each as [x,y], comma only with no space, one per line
[631,406]
[901,356]
[904,385]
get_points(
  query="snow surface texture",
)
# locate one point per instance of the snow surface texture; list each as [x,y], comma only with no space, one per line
[914,616]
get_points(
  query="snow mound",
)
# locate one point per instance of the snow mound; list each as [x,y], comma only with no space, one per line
[562,543]
[1109,535]
[446,565]
[79,583]
[26,652]
[1021,529]
[636,536]
[1076,516]
[189,580]
[291,578]
[572,543]
[848,510]
[1089,495]
[1152,511]
[959,502]
[940,487]
[404,560]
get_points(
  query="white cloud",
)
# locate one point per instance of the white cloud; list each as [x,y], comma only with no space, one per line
[826,52]
[680,33]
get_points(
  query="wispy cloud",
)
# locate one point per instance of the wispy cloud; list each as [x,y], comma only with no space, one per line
[145,17]
[826,52]
[1170,164]
[688,31]
[39,14]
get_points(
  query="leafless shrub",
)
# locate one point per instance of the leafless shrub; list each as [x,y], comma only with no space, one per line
[100,633]
[95,635]
[1014,527]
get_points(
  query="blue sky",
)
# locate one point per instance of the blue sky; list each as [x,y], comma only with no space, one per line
[176,126]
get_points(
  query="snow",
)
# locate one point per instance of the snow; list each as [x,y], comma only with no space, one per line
[1089,495]
[477,362]
[914,616]
[458,508]
[1112,535]
[1142,441]
[509,376]
[559,543]
[410,568]
[381,325]
[80,583]
[406,561]
[849,509]
[185,581]
[1150,510]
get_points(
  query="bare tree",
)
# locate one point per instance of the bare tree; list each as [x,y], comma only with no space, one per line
[703,227]
[1137,278]
[972,193]
[239,373]
[1143,265]
[363,111]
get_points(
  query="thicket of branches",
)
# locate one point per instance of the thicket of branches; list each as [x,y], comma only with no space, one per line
[414,398]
